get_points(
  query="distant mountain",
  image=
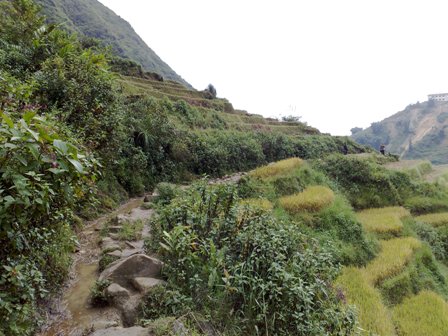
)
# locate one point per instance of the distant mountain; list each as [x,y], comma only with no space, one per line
[93,19]
[417,132]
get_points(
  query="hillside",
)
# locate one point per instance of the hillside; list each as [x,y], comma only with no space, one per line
[417,132]
[93,19]
[109,172]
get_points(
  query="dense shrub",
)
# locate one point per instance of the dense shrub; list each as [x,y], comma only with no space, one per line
[220,257]
[43,178]
[365,183]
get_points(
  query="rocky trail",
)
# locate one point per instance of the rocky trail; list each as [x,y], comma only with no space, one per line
[127,278]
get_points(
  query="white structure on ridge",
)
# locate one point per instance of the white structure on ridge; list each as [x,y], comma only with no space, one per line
[438,96]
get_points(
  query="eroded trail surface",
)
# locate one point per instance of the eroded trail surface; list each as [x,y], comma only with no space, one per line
[72,314]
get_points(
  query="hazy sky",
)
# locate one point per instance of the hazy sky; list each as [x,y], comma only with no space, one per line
[338,64]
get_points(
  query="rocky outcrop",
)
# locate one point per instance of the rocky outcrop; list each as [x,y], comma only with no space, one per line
[123,271]
[143,285]
[118,331]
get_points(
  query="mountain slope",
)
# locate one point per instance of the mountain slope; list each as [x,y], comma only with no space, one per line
[417,132]
[93,19]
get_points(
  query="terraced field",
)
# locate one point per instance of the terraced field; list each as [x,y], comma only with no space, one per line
[424,313]
[234,119]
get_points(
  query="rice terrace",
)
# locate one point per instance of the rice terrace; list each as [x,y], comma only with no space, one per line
[132,203]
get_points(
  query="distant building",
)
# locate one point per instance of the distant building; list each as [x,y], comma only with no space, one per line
[438,97]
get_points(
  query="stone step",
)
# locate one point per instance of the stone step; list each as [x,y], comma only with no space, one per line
[123,271]
[119,331]
[143,285]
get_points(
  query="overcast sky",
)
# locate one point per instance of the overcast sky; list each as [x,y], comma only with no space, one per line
[337,64]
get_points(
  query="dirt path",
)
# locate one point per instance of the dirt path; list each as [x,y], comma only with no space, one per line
[70,314]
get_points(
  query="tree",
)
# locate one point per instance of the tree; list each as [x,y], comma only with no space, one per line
[355,130]
[211,90]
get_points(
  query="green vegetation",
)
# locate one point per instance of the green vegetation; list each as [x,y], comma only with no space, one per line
[226,264]
[424,314]
[91,19]
[131,230]
[258,257]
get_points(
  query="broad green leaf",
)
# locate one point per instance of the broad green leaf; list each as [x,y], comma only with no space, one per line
[61,145]
[10,145]
[28,116]
[57,170]
[78,166]
[7,119]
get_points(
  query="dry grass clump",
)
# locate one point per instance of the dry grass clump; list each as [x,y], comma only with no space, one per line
[383,220]
[259,203]
[394,256]
[312,199]
[423,314]
[436,219]
[277,168]
[374,317]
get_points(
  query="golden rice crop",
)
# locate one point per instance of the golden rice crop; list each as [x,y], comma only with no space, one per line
[277,168]
[311,199]
[383,220]
[423,314]
[259,203]
[436,219]
[373,316]
[394,256]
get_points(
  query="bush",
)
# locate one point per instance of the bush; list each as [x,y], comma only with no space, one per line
[219,257]
[43,179]
[312,199]
[365,183]
[165,193]
[423,205]
[98,295]
[338,223]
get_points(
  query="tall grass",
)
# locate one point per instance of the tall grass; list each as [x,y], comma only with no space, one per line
[383,220]
[373,315]
[259,203]
[277,168]
[436,219]
[424,314]
[312,199]
[394,256]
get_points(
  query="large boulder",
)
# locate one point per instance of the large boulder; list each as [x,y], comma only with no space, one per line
[123,271]
[118,331]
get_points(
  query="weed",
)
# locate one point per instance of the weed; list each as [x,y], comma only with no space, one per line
[98,296]
[260,203]
[131,230]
